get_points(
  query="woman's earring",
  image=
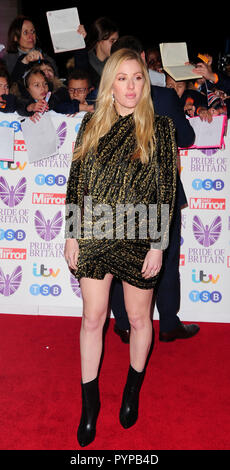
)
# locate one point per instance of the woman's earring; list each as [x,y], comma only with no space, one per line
[113,99]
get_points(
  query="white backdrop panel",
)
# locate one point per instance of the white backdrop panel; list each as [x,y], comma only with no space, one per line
[34,278]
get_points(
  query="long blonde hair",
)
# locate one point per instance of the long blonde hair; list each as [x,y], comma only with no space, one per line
[105,114]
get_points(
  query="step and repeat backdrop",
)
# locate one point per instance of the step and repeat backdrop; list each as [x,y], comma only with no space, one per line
[34,277]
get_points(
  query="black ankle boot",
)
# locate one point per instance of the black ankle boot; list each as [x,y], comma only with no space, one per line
[90,409]
[130,400]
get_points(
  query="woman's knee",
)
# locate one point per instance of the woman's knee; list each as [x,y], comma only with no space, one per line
[92,321]
[138,320]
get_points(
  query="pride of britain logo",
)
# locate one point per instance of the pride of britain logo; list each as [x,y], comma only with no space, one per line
[9,283]
[75,286]
[48,229]
[61,134]
[206,234]
[11,195]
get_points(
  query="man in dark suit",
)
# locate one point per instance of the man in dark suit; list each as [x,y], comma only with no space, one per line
[167,294]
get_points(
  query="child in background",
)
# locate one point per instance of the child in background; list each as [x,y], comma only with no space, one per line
[78,96]
[216,103]
[192,101]
[8,102]
[37,87]
[34,94]
[54,82]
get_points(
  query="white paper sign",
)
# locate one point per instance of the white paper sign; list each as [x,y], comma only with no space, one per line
[209,134]
[63,26]
[40,138]
[6,144]
[174,55]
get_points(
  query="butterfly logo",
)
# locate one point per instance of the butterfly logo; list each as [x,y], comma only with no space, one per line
[75,285]
[10,283]
[48,229]
[209,152]
[12,195]
[61,133]
[204,234]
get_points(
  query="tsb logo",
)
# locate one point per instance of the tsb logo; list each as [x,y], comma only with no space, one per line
[50,180]
[207,184]
[45,289]
[15,124]
[10,234]
[205,296]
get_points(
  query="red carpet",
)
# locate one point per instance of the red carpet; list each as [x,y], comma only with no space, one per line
[185,400]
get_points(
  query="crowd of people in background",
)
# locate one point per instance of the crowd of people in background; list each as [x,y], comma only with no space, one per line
[30,82]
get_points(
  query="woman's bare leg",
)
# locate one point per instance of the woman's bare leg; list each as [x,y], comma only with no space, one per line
[138,305]
[95,294]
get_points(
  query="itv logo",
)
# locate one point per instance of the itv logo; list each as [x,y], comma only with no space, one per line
[204,278]
[43,271]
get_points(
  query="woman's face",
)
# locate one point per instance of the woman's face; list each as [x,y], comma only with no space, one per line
[128,86]
[78,89]
[48,71]
[179,87]
[38,87]
[154,61]
[106,44]
[28,38]
[4,88]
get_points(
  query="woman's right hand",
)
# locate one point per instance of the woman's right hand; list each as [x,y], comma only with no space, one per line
[81,30]
[32,56]
[71,252]
[39,107]
[86,107]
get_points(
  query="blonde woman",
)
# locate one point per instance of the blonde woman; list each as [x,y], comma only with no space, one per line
[123,155]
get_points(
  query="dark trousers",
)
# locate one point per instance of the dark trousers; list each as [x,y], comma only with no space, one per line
[167,291]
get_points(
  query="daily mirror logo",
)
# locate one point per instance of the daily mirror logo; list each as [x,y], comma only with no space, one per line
[12,253]
[19,146]
[206,203]
[48,198]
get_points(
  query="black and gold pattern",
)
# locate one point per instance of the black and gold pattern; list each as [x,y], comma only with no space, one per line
[112,176]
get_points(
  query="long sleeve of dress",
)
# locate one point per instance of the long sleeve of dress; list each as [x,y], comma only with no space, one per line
[75,191]
[166,178]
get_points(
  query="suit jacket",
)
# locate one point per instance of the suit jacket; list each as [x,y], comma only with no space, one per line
[167,103]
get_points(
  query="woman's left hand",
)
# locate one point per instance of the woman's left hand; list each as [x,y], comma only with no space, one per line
[152,264]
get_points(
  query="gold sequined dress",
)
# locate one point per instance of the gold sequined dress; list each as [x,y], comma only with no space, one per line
[110,177]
